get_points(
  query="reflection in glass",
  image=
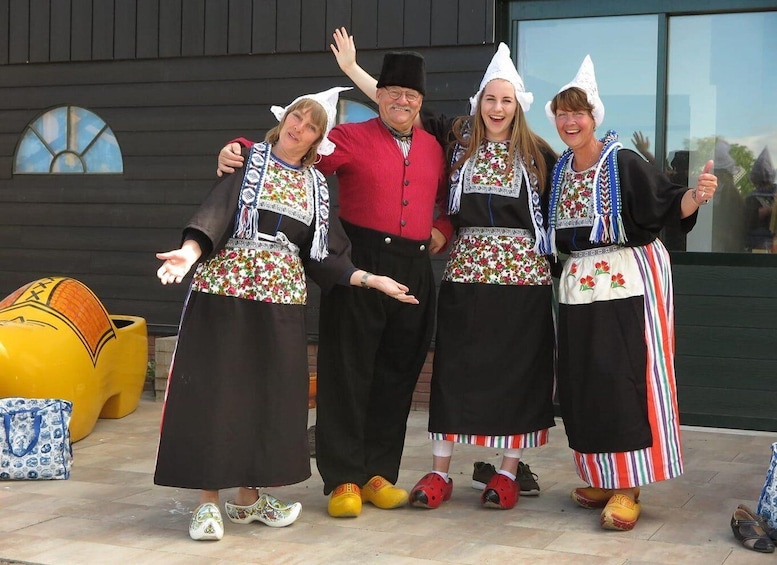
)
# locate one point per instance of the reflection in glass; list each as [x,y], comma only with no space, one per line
[84,128]
[721,107]
[102,153]
[350,111]
[32,156]
[549,52]
[67,163]
[52,126]
[68,140]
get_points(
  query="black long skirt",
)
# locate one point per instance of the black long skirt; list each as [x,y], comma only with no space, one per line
[493,362]
[237,397]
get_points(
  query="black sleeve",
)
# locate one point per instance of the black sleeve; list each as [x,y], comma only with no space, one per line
[213,222]
[439,125]
[650,199]
[206,245]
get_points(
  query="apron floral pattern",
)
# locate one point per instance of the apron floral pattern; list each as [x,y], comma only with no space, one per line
[267,275]
[496,256]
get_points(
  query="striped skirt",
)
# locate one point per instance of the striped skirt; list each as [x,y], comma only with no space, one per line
[616,375]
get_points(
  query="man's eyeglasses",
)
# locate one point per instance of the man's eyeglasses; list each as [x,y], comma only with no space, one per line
[410,95]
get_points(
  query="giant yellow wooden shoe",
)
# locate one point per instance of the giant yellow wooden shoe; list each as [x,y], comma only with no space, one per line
[58,341]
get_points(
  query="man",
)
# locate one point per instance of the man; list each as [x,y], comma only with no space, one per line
[371,351]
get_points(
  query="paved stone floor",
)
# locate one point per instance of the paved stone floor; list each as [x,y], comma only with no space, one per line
[109,511]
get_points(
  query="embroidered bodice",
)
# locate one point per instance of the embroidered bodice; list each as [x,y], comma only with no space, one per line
[575,206]
[288,191]
[488,172]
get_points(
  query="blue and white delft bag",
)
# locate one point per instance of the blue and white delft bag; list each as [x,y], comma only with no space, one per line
[767,503]
[35,438]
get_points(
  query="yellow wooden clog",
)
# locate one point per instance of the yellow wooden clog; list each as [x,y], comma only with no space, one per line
[58,341]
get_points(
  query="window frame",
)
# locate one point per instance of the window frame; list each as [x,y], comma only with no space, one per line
[81,156]
[512,12]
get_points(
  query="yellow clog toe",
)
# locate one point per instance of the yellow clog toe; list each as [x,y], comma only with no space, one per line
[621,513]
[345,501]
[383,494]
[593,497]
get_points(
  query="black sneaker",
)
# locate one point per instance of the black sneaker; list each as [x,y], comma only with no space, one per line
[527,480]
[482,474]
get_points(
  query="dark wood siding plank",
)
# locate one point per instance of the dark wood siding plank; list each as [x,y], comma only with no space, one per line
[5,167]
[364,15]
[19,31]
[472,21]
[240,20]
[490,13]
[97,262]
[193,28]
[726,407]
[418,30]
[705,280]
[170,28]
[390,24]
[313,34]
[216,26]
[181,118]
[264,26]
[102,40]
[699,371]
[168,168]
[724,342]
[5,16]
[445,22]
[156,73]
[40,15]
[148,29]
[125,26]
[12,236]
[338,14]
[734,311]
[120,239]
[81,30]
[58,261]
[288,25]
[96,189]
[95,215]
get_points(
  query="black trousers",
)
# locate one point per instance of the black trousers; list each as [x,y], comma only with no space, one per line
[371,351]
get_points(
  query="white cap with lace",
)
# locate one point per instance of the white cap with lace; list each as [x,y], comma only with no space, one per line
[328,100]
[585,79]
[502,66]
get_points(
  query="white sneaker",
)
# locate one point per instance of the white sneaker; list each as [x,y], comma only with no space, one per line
[206,523]
[267,509]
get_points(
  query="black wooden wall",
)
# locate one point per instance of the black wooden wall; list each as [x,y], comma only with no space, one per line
[40,31]
[726,326]
[157,73]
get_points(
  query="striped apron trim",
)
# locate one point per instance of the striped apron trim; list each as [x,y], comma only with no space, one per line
[663,460]
[531,439]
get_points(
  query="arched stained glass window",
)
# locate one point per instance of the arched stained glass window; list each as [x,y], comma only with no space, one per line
[68,140]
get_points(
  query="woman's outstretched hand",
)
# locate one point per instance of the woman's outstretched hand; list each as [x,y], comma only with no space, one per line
[178,262]
[386,285]
[392,288]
